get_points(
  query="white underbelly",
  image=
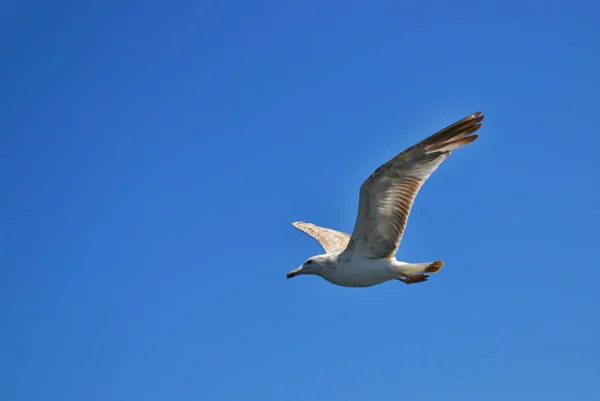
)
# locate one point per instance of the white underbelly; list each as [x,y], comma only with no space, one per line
[364,273]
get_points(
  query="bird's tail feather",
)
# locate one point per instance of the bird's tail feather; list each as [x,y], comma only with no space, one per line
[429,267]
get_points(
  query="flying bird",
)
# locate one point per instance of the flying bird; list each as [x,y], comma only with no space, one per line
[367,257]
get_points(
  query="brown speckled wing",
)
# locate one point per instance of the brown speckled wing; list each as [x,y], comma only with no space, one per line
[387,196]
[330,240]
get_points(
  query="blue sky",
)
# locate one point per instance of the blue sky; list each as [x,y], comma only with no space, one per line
[153,156]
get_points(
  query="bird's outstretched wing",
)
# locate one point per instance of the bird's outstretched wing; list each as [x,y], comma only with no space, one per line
[330,240]
[387,196]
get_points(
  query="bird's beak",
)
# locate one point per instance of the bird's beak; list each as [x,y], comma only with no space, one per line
[294,272]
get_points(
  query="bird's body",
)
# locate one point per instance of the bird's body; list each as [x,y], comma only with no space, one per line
[351,270]
[367,257]
[348,269]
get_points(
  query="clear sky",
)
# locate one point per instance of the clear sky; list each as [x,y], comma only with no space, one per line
[153,156]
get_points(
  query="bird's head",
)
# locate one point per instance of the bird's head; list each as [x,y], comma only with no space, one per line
[312,265]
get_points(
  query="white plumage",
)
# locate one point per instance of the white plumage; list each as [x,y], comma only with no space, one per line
[366,257]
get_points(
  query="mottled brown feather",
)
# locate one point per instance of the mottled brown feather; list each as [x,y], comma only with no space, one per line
[330,240]
[387,196]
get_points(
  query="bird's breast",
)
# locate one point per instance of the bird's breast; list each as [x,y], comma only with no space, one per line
[358,272]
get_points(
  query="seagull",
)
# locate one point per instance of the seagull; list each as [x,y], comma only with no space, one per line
[367,257]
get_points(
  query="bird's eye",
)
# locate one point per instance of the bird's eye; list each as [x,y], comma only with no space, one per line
[308,262]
